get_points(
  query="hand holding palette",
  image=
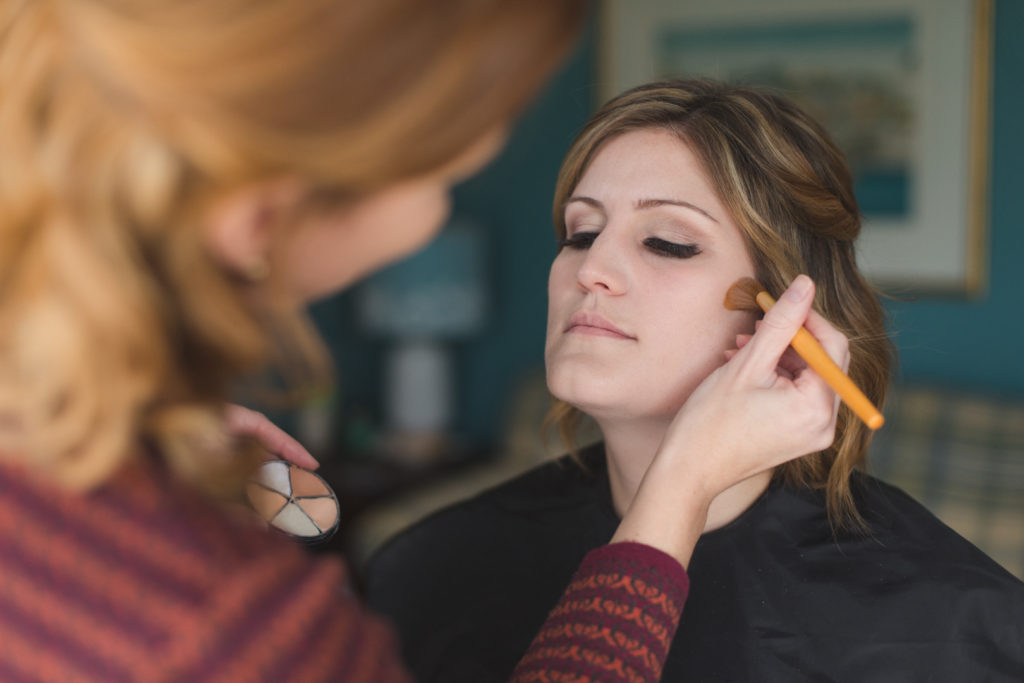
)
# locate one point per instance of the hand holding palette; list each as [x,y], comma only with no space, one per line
[294,500]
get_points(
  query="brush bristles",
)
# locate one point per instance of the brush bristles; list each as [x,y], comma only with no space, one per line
[742,295]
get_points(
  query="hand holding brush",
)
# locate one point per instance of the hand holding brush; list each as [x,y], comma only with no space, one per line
[747,417]
[747,294]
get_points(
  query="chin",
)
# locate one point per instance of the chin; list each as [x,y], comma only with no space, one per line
[593,401]
[571,384]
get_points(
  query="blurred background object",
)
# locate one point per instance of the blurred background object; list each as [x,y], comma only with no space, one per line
[420,307]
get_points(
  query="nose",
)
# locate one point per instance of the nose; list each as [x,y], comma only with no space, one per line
[603,269]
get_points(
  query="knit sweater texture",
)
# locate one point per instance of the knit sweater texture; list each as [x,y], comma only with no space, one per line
[144,579]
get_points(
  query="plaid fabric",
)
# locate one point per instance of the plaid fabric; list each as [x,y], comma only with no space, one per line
[962,456]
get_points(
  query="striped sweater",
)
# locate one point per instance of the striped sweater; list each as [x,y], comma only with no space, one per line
[145,580]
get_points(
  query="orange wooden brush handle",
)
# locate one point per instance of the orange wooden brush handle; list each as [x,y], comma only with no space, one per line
[816,357]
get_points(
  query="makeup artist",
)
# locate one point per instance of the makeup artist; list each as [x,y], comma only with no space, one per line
[176,180]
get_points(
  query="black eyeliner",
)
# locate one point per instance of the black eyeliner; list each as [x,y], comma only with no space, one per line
[579,240]
[672,249]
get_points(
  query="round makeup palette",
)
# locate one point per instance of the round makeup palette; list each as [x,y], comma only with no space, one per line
[295,501]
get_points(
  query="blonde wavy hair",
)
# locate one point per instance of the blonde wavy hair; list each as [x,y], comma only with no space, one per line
[790,191]
[123,121]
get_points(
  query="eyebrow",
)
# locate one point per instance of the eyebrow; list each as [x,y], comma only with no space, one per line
[644,204]
[654,203]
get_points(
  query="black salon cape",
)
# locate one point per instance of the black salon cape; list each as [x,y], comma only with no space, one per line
[774,595]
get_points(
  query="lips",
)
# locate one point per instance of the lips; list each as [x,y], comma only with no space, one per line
[593,324]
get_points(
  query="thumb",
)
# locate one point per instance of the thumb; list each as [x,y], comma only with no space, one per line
[781,323]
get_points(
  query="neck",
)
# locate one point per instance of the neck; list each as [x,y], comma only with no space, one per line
[630,447]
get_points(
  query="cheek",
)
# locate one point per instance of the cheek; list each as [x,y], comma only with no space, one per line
[561,287]
[552,310]
[692,341]
[706,325]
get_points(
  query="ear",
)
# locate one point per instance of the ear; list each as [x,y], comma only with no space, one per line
[240,226]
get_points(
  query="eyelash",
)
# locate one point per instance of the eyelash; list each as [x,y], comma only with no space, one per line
[579,240]
[583,240]
[673,249]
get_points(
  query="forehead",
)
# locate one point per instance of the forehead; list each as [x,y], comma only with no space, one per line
[654,158]
[643,169]
[654,169]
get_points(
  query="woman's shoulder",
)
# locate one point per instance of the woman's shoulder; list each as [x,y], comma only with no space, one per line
[908,580]
[902,543]
[907,534]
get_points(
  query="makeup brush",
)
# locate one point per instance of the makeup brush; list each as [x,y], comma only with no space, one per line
[747,294]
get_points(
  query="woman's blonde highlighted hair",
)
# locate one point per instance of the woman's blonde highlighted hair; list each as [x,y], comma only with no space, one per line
[789,189]
[121,123]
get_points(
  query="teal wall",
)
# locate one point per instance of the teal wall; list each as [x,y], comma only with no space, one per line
[957,343]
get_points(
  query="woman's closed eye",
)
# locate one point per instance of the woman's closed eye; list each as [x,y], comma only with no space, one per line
[671,249]
[578,240]
[584,240]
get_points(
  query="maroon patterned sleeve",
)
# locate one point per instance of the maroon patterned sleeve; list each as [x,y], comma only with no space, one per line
[615,621]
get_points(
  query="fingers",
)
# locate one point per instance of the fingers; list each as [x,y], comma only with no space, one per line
[780,324]
[832,340]
[770,357]
[242,421]
[836,345]
[813,383]
[790,363]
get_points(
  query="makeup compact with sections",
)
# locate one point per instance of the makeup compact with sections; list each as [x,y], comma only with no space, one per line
[294,500]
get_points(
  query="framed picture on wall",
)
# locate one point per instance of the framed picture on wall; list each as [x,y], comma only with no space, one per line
[902,86]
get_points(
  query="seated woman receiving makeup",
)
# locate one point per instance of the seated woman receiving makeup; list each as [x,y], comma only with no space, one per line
[811,571]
